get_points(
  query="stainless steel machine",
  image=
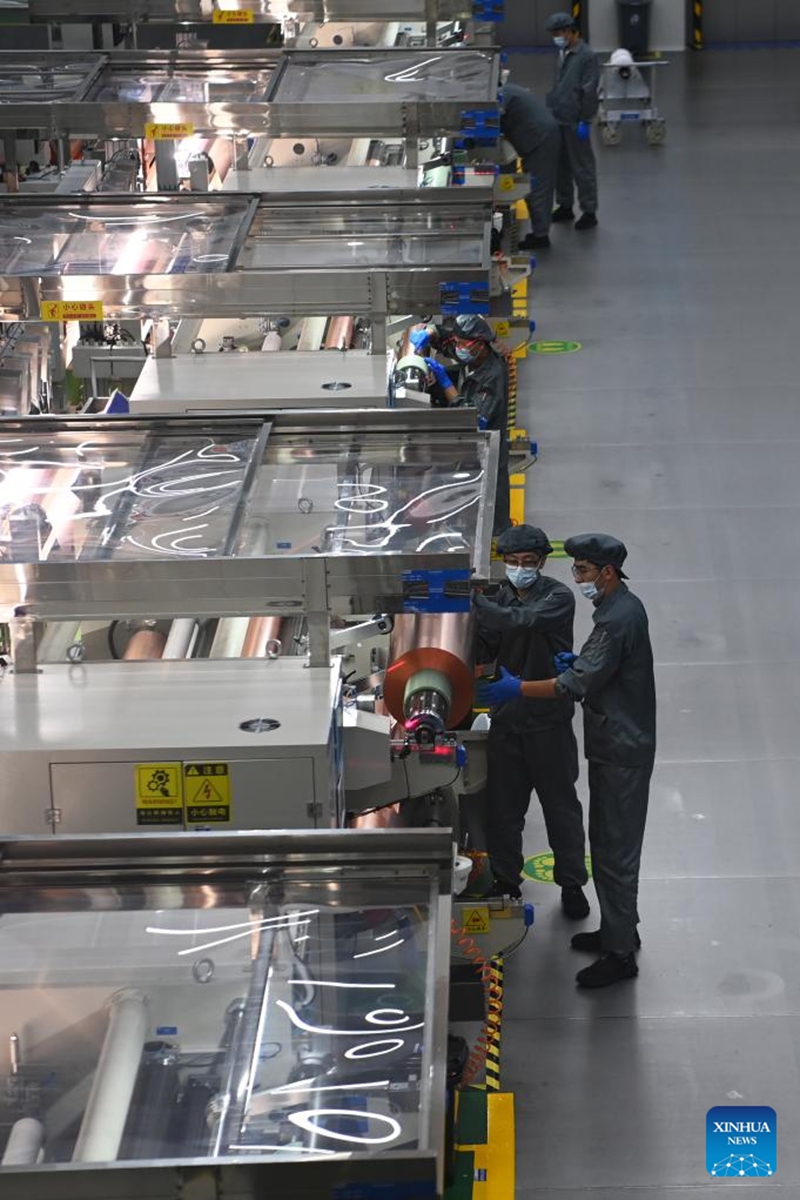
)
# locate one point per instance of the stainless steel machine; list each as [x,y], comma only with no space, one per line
[209,1016]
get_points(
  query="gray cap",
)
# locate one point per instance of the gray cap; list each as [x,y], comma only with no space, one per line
[599,548]
[520,539]
[470,325]
[560,20]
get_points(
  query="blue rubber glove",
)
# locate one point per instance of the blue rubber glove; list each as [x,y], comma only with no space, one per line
[564,660]
[439,373]
[583,131]
[419,340]
[482,424]
[507,687]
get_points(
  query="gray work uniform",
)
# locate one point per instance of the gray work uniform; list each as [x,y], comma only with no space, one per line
[534,133]
[531,744]
[613,676]
[485,388]
[575,98]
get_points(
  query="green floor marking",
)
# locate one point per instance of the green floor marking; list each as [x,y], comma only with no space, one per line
[540,867]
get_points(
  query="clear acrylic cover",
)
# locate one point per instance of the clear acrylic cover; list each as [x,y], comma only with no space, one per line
[349,78]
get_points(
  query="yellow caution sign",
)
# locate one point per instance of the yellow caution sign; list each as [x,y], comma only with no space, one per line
[168,133]
[233,17]
[475,920]
[158,792]
[506,183]
[502,328]
[71,310]
[207,793]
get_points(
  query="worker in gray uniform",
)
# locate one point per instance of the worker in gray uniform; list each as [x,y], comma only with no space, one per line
[574,102]
[613,678]
[531,129]
[483,386]
[531,743]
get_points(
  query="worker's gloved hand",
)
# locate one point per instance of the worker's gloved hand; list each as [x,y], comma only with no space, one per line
[438,372]
[582,131]
[482,424]
[564,660]
[507,687]
[419,339]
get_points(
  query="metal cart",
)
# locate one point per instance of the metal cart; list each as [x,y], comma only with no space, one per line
[627,94]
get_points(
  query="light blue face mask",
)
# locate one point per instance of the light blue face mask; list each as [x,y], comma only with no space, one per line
[591,591]
[561,42]
[464,355]
[522,577]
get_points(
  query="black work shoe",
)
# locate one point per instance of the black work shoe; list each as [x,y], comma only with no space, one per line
[535,242]
[562,214]
[587,221]
[502,889]
[589,943]
[574,903]
[609,968]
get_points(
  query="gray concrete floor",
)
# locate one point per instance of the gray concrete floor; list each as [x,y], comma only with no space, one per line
[677,428]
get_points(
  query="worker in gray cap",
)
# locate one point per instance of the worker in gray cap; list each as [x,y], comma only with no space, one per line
[531,744]
[483,386]
[533,133]
[613,678]
[574,102]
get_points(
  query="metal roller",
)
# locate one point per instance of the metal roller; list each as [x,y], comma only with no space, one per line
[429,683]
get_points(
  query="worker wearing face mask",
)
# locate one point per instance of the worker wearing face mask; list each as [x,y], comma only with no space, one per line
[612,676]
[483,385]
[531,744]
[574,102]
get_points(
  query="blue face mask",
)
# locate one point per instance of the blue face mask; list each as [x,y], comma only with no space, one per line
[561,42]
[464,355]
[522,577]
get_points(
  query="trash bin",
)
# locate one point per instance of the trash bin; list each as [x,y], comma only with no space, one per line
[633,20]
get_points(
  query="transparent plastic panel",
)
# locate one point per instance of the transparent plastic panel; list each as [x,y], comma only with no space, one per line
[154,239]
[370,496]
[214,86]
[364,237]
[244,1018]
[346,78]
[126,495]
[21,82]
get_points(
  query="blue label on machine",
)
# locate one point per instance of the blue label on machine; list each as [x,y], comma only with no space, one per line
[436,591]
[488,10]
[482,125]
[464,297]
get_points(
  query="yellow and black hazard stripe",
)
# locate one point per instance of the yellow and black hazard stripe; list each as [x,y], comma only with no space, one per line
[494,1025]
[577,14]
[513,385]
[697,25]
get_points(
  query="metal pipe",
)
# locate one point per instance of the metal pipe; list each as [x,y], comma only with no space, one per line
[180,637]
[25,1143]
[145,644]
[262,637]
[114,1079]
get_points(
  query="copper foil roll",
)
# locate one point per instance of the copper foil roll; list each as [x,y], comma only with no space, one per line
[432,642]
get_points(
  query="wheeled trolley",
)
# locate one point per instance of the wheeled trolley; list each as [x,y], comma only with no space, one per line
[627,94]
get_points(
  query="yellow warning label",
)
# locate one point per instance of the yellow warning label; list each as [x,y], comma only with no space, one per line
[506,183]
[168,133]
[159,794]
[502,328]
[233,17]
[71,310]
[207,793]
[475,920]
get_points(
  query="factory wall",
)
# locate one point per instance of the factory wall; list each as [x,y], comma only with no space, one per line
[744,21]
[525,21]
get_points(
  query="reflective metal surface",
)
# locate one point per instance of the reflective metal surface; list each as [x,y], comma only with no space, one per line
[192,516]
[277,93]
[255,11]
[291,984]
[177,255]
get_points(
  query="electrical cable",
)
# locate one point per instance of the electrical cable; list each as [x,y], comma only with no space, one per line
[110,635]
[365,812]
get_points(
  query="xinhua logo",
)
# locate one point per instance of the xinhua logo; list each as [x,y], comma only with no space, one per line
[741,1142]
